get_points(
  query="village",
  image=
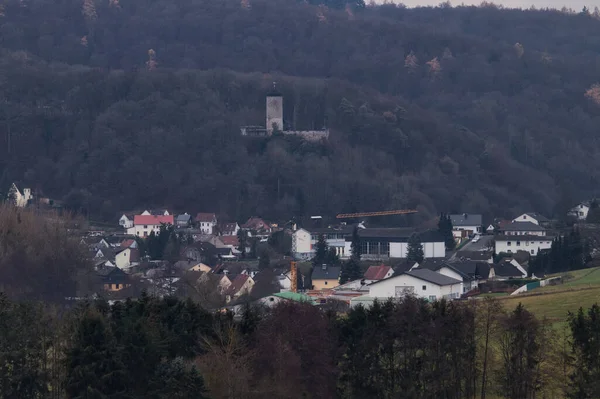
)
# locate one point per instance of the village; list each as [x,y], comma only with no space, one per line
[225,265]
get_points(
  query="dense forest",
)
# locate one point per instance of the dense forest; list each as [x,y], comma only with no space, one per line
[111,105]
[168,348]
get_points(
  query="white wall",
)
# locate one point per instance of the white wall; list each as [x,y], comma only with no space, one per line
[206,227]
[523,233]
[580,211]
[125,222]
[392,288]
[301,243]
[519,244]
[144,230]
[526,218]
[122,259]
[457,231]
[430,249]
[274,113]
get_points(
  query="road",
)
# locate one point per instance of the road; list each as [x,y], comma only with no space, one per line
[483,244]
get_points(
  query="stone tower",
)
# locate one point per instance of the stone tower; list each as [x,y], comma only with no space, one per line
[274,111]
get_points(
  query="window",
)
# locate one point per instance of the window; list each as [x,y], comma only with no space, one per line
[432,298]
[524,217]
[145,226]
[118,286]
[325,282]
[508,244]
[518,243]
[509,251]
[402,291]
[532,252]
[527,243]
[424,288]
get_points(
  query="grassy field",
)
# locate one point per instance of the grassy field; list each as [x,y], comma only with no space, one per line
[554,302]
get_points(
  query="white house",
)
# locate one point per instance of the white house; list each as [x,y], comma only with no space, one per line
[126,221]
[143,225]
[523,228]
[580,211]
[532,217]
[18,199]
[127,257]
[465,224]
[304,241]
[528,243]
[206,222]
[422,283]
[469,272]
[386,243]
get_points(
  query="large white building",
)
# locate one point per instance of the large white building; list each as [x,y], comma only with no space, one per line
[386,243]
[422,283]
[522,228]
[532,244]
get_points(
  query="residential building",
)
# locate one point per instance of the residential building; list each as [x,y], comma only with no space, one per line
[127,257]
[469,272]
[387,243]
[304,241]
[16,198]
[522,228]
[476,256]
[228,229]
[422,283]
[143,225]
[376,273]
[466,225]
[528,243]
[258,226]
[580,211]
[126,221]
[302,244]
[325,277]
[156,212]
[113,278]
[507,269]
[183,220]
[206,222]
[533,217]
[241,285]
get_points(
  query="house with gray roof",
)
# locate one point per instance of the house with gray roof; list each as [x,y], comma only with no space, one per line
[533,217]
[422,283]
[466,224]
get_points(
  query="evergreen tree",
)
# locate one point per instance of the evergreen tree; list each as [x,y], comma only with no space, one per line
[321,252]
[594,212]
[445,229]
[350,271]
[264,261]
[332,257]
[242,236]
[415,249]
[585,377]
[355,245]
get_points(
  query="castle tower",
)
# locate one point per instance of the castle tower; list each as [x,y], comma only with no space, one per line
[274,111]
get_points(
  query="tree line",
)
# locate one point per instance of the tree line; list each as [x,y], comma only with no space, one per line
[170,348]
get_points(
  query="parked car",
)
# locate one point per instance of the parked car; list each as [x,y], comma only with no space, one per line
[476,238]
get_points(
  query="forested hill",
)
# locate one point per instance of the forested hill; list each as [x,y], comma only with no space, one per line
[116,104]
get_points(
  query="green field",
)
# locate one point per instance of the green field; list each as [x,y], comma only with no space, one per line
[554,302]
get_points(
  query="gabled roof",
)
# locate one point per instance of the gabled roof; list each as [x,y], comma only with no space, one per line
[230,240]
[184,218]
[206,217]
[127,243]
[522,226]
[152,220]
[506,269]
[474,270]
[474,255]
[538,217]
[466,219]
[255,223]
[377,272]
[326,273]
[432,277]
[236,284]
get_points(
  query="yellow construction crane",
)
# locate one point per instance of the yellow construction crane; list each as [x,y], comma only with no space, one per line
[294,277]
[381,213]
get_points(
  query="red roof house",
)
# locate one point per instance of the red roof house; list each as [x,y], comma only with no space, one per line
[206,218]
[152,220]
[377,273]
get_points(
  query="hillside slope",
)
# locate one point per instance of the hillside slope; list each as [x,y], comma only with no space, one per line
[435,108]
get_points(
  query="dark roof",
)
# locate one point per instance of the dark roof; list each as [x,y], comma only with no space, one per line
[183,218]
[432,277]
[474,255]
[326,272]
[474,270]
[223,251]
[112,275]
[506,269]
[466,219]
[398,234]
[432,264]
[236,284]
[377,272]
[524,237]
[522,226]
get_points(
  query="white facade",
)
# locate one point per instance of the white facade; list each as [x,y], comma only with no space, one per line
[399,286]
[457,232]
[526,218]
[207,227]
[125,222]
[301,244]
[530,244]
[144,230]
[18,199]
[274,113]
[400,249]
[122,259]
[580,211]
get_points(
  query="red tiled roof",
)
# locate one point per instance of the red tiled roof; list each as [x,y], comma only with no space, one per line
[377,272]
[152,219]
[256,224]
[230,240]
[206,217]
[237,284]
[127,243]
